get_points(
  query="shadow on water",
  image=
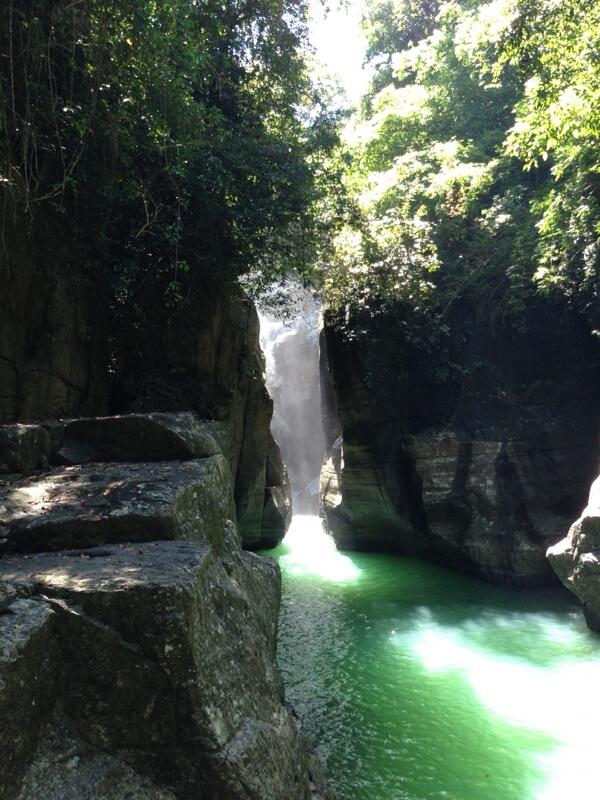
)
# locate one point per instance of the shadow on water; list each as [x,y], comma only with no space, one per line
[421,683]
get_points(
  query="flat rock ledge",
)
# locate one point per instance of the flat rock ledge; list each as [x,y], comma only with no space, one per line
[89,504]
[138,641]
[576,558]
[262,494]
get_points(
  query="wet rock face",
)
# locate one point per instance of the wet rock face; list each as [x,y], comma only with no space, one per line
[481,466]
[576,558]
[143,667]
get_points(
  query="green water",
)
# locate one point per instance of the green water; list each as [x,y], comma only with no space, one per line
[420,683]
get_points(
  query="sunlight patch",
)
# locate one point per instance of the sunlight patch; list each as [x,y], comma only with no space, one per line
[312,551]
[559,700]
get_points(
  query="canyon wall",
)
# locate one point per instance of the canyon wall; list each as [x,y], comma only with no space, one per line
[477,454]
[67,350]
[54,322]
[137,637]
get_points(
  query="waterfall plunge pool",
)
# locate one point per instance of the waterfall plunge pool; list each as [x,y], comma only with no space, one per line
[420,683]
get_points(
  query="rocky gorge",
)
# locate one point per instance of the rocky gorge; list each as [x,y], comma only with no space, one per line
[299,400]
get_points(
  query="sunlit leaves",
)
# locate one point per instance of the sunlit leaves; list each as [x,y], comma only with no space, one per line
[483,125]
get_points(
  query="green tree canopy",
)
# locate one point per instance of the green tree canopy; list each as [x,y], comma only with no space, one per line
[175,135]
[474,160]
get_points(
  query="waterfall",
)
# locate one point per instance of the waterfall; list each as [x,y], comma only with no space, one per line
[290,341]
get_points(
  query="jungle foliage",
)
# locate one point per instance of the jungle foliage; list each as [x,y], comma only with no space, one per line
[474,161]
[178,138]
[172,136]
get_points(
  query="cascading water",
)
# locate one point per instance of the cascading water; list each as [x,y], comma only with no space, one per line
[291,347]
[420,683]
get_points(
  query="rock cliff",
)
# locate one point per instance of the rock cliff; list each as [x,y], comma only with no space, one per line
[137,638]
[477,454]
[54,321]
[77,356]
[576,558]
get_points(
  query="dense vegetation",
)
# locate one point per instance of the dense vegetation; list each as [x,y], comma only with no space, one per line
[172,136]
[183,138]
[475,159]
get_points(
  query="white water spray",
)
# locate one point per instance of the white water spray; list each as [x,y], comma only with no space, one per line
[291,345]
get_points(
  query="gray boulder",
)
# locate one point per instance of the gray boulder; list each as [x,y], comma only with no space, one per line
[28,684]
[81,506]
[576,558]
[144,667]
[140,437]
[158,660]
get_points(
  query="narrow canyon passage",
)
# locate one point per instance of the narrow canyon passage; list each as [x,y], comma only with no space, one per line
[299,400]
[422,683]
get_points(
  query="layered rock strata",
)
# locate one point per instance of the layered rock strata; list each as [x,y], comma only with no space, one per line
[478,455]
[75,357]
[137,638]
[162,442]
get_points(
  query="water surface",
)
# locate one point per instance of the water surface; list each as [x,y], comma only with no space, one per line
[420,683]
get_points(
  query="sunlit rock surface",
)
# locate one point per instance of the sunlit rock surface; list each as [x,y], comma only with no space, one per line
[143,667]
[576,558]
[479,455]
[85,505]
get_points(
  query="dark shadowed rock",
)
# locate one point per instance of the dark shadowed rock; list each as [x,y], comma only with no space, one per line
[86,505]
[277,515]
[65,767]
[24,448]
[140,437]
[478,453]
[277,509]
[28,684]
[54,321]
